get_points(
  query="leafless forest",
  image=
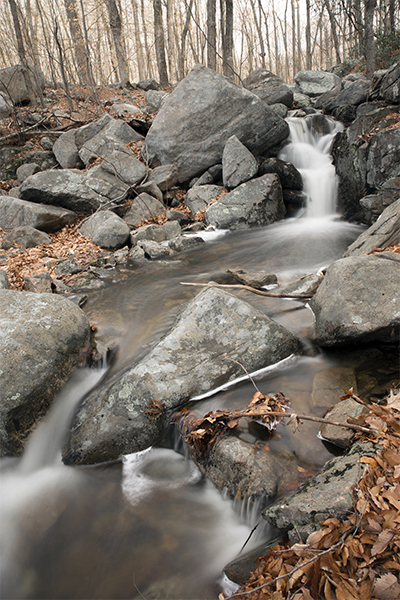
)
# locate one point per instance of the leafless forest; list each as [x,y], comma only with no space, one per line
[100,42]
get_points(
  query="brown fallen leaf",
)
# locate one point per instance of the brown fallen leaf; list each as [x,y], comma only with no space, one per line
[387,587]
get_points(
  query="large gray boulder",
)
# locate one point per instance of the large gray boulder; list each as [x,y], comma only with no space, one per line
[18,213]
[390,86]
[66,151]
[123,165]
[269,87]
[41,336]
[13,86]
[66,188]
[238,163]
[355,93]
[200,115]
[5,107]
[358,300]
[256,202]
[383,160]
[383,233]
[106,230]
[130,411]
[27,236]
[113,136]
[316,83]
[82,193]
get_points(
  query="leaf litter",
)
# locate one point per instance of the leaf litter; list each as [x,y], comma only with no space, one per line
[357,558]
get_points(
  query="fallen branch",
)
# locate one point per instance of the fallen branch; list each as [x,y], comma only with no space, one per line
[250,289]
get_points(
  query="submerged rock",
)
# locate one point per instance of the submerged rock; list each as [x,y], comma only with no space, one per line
[130,411]
[41,336]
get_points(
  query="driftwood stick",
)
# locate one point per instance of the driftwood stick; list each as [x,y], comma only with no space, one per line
[251,289]
[305,418]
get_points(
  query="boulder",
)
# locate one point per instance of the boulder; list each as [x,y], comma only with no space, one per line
[66,188]
[27,236]
[106,230]
[148,84]
[269,87]
[327,494]
[66,151]
[13,86]
[41,336]
[143,207]
[156,233]
[129,412]
[289,176]
[294,201]
[103,182]
[5,107]
[358,300]
[302,100]
[165,177]
[183,243]
[280,109]
[26,170]
[390,85]
[238,163]
[46,143]
[374,204]
[154,250]
[155,98]
[242,471]
[123,110]
[4,284]
[113,135]
[341,413]
[307,285]
[177,215]
[254,279]
[256,202]
[15,212]
[200,115]
[41,283]
[150,187]
[383,160]
[316,83]
[328,386]
[355,93]
[383,233]
[200,196]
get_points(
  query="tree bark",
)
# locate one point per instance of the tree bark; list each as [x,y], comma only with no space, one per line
[182,48]
[308,37]
[227,37]
[79,43]
[116,30]
[369,46]
[160,43]
[211,35]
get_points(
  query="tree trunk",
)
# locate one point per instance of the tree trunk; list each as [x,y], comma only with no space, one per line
[334,30]
[211,35]
[259,33]
[369,46]
[138,41]
[160,44]
[308,37]
[146,42]
[227,37]
[78,41]
[116,30]
[182,51]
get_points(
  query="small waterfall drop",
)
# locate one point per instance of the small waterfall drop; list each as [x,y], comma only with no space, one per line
[309,151]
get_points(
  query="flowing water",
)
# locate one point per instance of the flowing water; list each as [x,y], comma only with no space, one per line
[152,525]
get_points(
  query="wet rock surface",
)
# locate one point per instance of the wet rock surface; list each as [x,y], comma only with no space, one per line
[41,336]
[193,358]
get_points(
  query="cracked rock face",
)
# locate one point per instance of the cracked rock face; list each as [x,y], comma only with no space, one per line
[193,358]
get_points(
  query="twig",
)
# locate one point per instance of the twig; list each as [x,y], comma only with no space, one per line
[304,564]
[246,371]
[250,289]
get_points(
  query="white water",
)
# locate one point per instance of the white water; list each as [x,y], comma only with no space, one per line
[309,152]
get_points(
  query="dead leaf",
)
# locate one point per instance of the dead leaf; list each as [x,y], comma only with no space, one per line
[387,587]
[384,539]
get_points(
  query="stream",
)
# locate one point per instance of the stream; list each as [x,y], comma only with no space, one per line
[150,524]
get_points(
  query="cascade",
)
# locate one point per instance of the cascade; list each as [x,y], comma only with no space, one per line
[309,151]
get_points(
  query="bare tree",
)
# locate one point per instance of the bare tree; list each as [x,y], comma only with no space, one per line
[116,30]
[211,34]
[160,43]
[79,44]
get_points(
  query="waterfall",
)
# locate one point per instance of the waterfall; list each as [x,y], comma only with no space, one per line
[309,151]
